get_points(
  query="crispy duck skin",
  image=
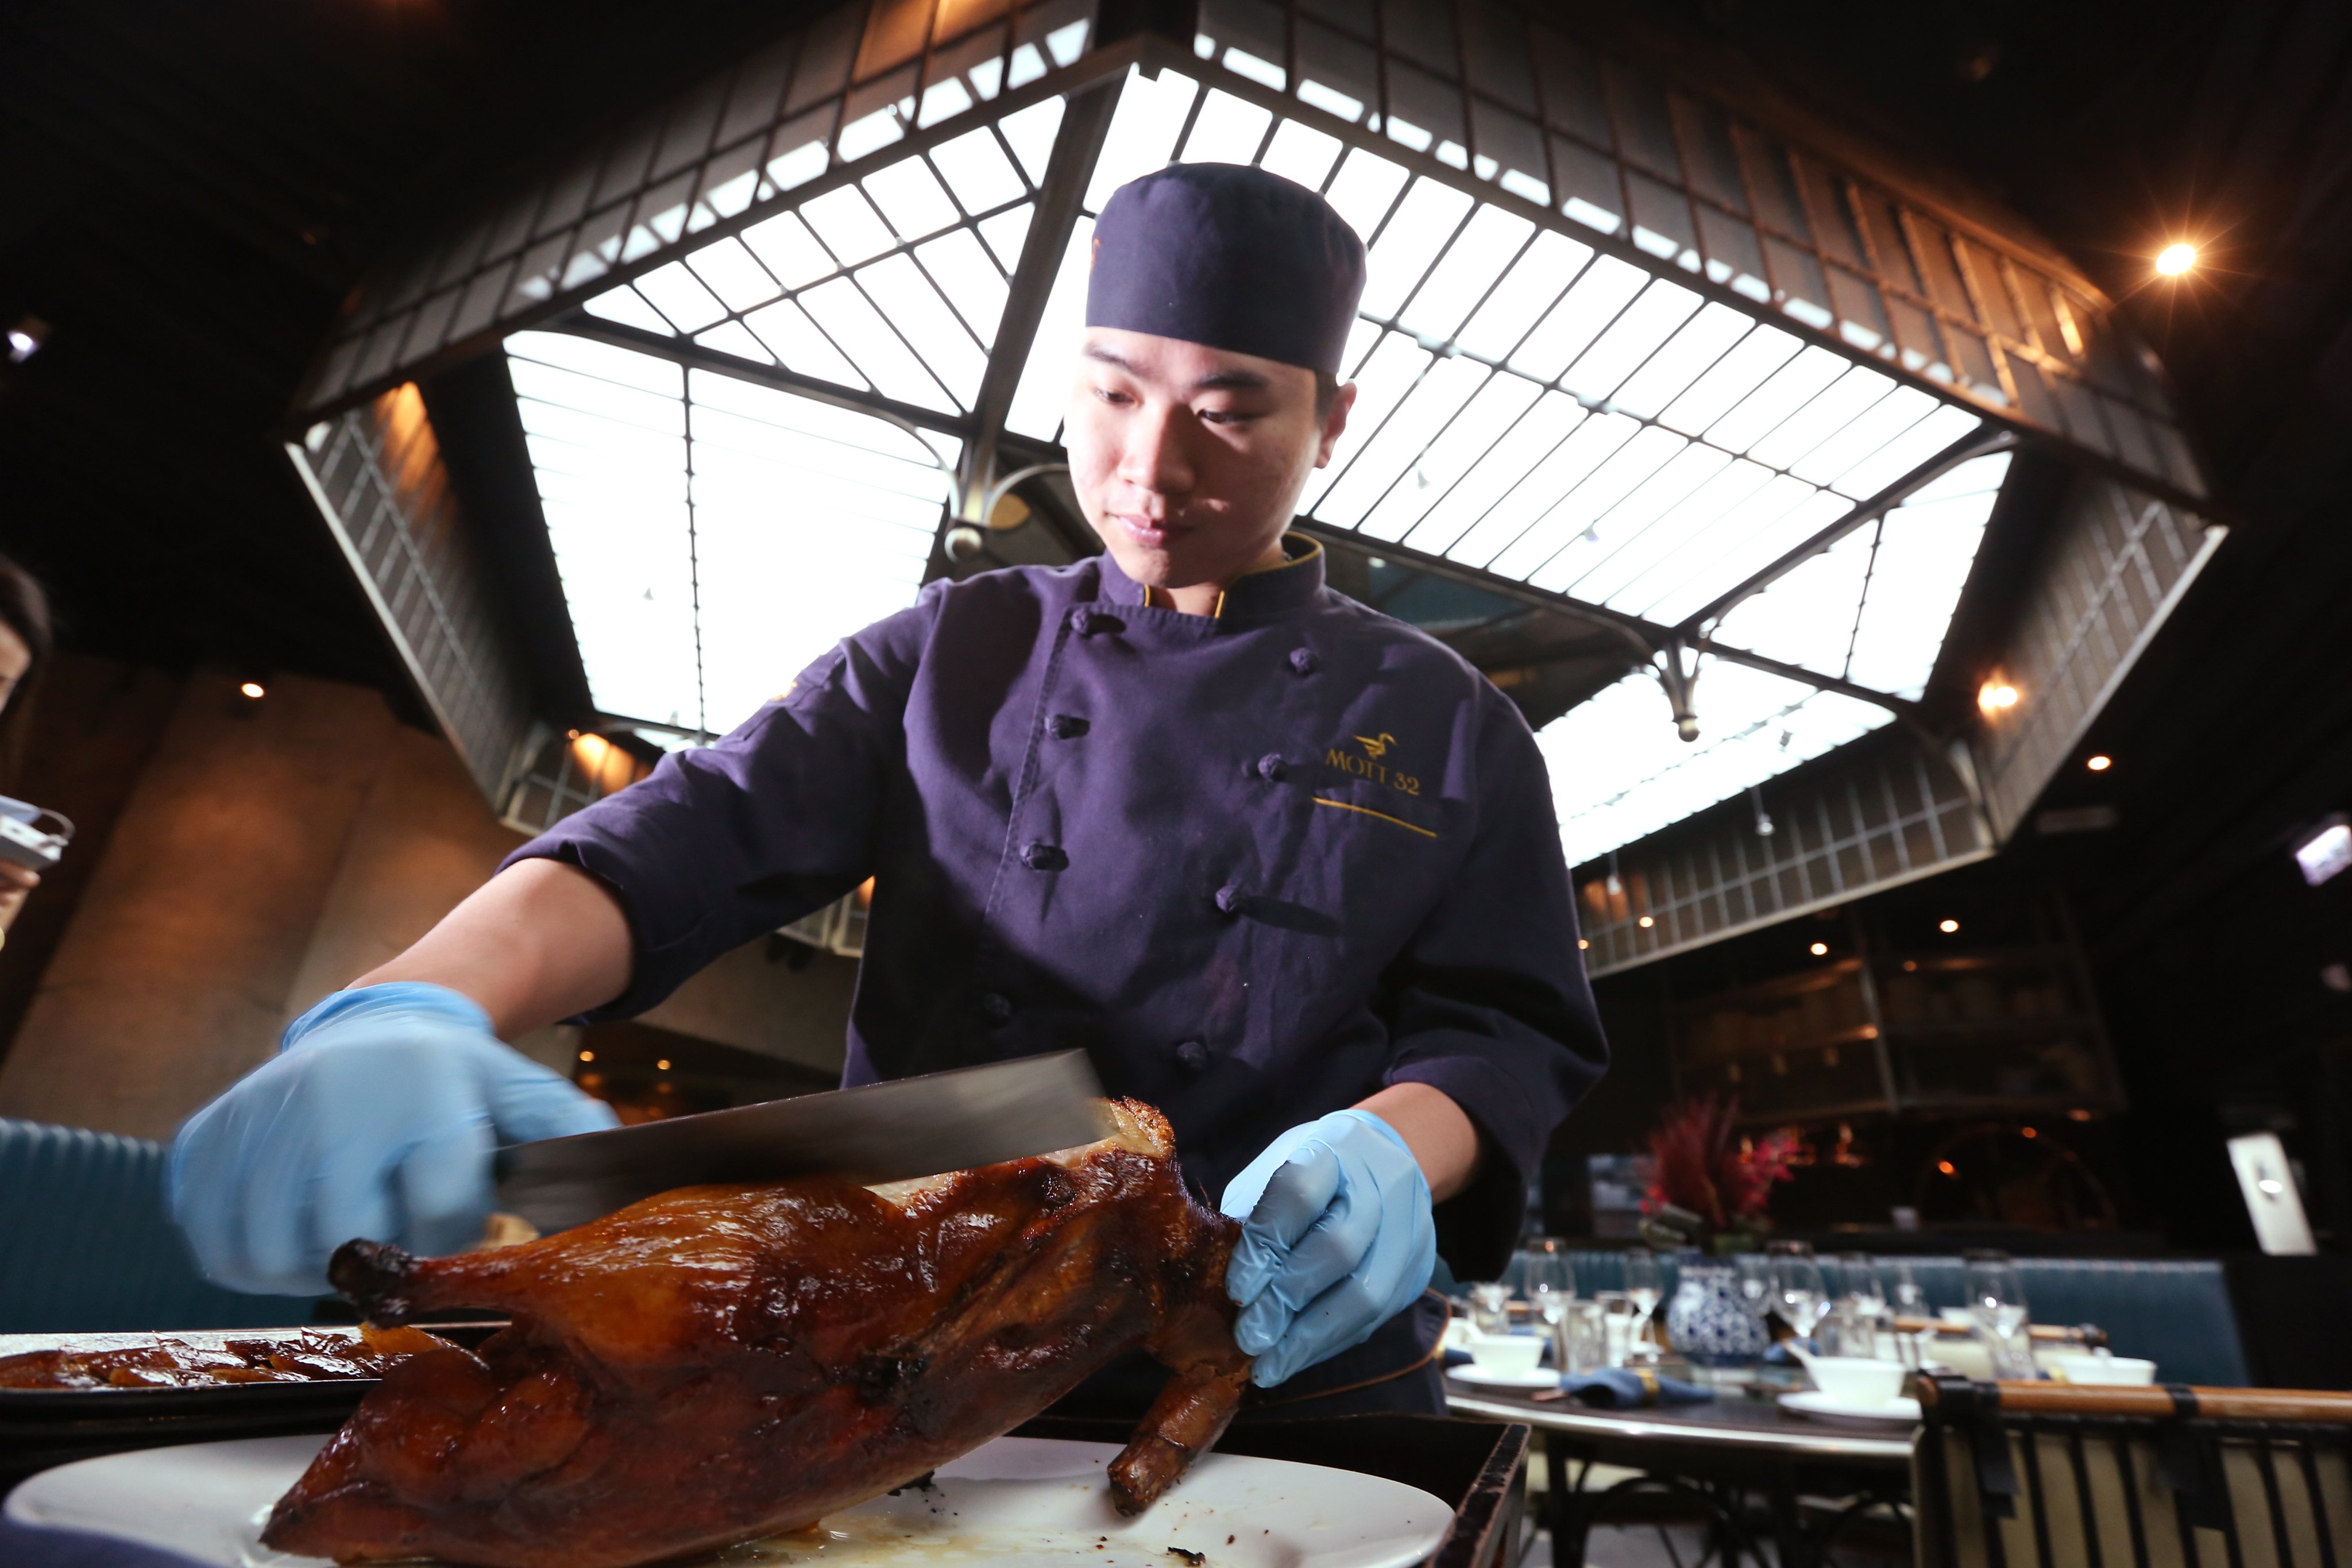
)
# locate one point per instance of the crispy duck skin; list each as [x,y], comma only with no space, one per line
[720,1363]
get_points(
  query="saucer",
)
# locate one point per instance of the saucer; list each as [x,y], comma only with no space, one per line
[1495,1377]
[1812,1402]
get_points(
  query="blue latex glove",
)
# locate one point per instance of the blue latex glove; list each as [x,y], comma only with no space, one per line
[1337,1238]
[378,1119]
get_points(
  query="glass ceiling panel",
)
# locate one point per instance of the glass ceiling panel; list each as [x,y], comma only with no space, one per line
[893,284]
[714,536]
[1619,771]
[1529,407]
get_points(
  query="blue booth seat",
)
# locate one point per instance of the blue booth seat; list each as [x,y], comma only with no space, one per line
[86,1243]
[2173,1311]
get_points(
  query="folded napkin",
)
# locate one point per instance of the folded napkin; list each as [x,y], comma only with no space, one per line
[1624,1387]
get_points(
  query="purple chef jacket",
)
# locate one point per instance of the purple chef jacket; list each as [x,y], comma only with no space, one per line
[1258,864]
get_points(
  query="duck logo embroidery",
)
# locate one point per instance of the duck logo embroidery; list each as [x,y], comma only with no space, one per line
[1369,766]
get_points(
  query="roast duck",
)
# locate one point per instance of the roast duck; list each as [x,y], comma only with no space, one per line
[721,1363]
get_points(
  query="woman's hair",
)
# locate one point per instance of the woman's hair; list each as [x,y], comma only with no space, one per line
[24,610]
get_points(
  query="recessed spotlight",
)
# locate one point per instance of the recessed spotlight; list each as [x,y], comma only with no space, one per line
[1583,943]
[662,1066]
[2176,258]
[1645,922]
[587,1056]
[25,338]
[1947,926]
[2099,765]
[1945,1166]
[253,688]
[1821,950]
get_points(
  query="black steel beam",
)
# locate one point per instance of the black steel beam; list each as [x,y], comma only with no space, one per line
[1646,638]
[694,356]
[1085,123]
[1974,443]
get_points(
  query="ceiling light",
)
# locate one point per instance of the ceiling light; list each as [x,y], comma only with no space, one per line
[1583,943]
[253,688]
[2100,764]
[2176,258]
[1821,950]
[587,1056]
[1645,922]
[25,338]
[2027,1132]
[1947,926]
[662,1066]
[2324,850]
[1995,695]
[1945,1166]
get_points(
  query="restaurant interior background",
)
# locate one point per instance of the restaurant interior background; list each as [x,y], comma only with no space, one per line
[301,330]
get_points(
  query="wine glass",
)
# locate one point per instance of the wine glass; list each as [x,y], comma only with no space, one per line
[1859,1283]
[1910,1296]
[1643,1285]
[1490,1307]
[1550,1283]
[1799,1292]
[1996,1299]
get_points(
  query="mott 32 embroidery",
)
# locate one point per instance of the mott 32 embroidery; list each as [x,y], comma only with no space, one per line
[1369,765]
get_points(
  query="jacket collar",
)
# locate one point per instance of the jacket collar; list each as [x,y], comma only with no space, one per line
[1267,591]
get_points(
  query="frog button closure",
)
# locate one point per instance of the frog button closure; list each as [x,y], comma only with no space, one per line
[1066,726]
[1233,899]
[1192,1053]
[1303,660]
[1044,857]
[1270,767]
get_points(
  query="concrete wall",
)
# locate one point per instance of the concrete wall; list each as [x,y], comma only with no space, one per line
[269,852]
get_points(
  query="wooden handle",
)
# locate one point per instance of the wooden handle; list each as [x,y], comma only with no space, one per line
[2042,1333]
[2159,1402]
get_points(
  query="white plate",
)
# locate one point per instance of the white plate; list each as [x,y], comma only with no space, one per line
[1013,1502]
[1900,1408]
[1496,1377]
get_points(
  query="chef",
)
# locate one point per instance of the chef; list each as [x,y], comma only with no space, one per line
[1284,867]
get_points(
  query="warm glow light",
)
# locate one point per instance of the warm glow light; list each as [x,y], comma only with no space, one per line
[1945,1166]
[252,689]
[1995,695]
[587,1056]
[2078,1114]
[2100,764]
[1821,950]
[1645,922]
[2176,258]
[662,1066]
[2027,1132]
[1581,944]
[1947,926]
[1910,965]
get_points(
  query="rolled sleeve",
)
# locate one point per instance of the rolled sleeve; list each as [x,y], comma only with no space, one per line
[1489,1004]
[778,819]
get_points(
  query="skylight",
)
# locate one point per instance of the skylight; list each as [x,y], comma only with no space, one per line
[1526,405]
[713,536]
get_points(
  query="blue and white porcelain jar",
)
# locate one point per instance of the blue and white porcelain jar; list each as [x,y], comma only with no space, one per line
[1709,1322]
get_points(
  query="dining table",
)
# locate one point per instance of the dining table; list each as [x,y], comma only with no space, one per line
[1751,1469]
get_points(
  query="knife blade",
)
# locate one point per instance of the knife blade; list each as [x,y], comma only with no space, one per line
[877,1133]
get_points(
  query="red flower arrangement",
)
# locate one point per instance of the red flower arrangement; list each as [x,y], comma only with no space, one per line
[1705,1169]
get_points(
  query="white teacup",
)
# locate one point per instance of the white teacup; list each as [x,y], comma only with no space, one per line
[2107,1370]
[1857,1380]
[1515,1353]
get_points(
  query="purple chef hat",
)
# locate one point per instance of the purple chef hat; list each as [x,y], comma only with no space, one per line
[1229,256]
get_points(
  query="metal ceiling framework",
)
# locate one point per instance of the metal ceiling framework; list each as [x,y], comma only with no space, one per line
[1625,356]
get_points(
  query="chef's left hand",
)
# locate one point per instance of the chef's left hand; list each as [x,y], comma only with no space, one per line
[1337,1238]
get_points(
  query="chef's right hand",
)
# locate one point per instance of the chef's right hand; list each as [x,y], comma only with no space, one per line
[378,1119]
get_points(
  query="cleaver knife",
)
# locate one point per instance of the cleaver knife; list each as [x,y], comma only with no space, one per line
[877,1133]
